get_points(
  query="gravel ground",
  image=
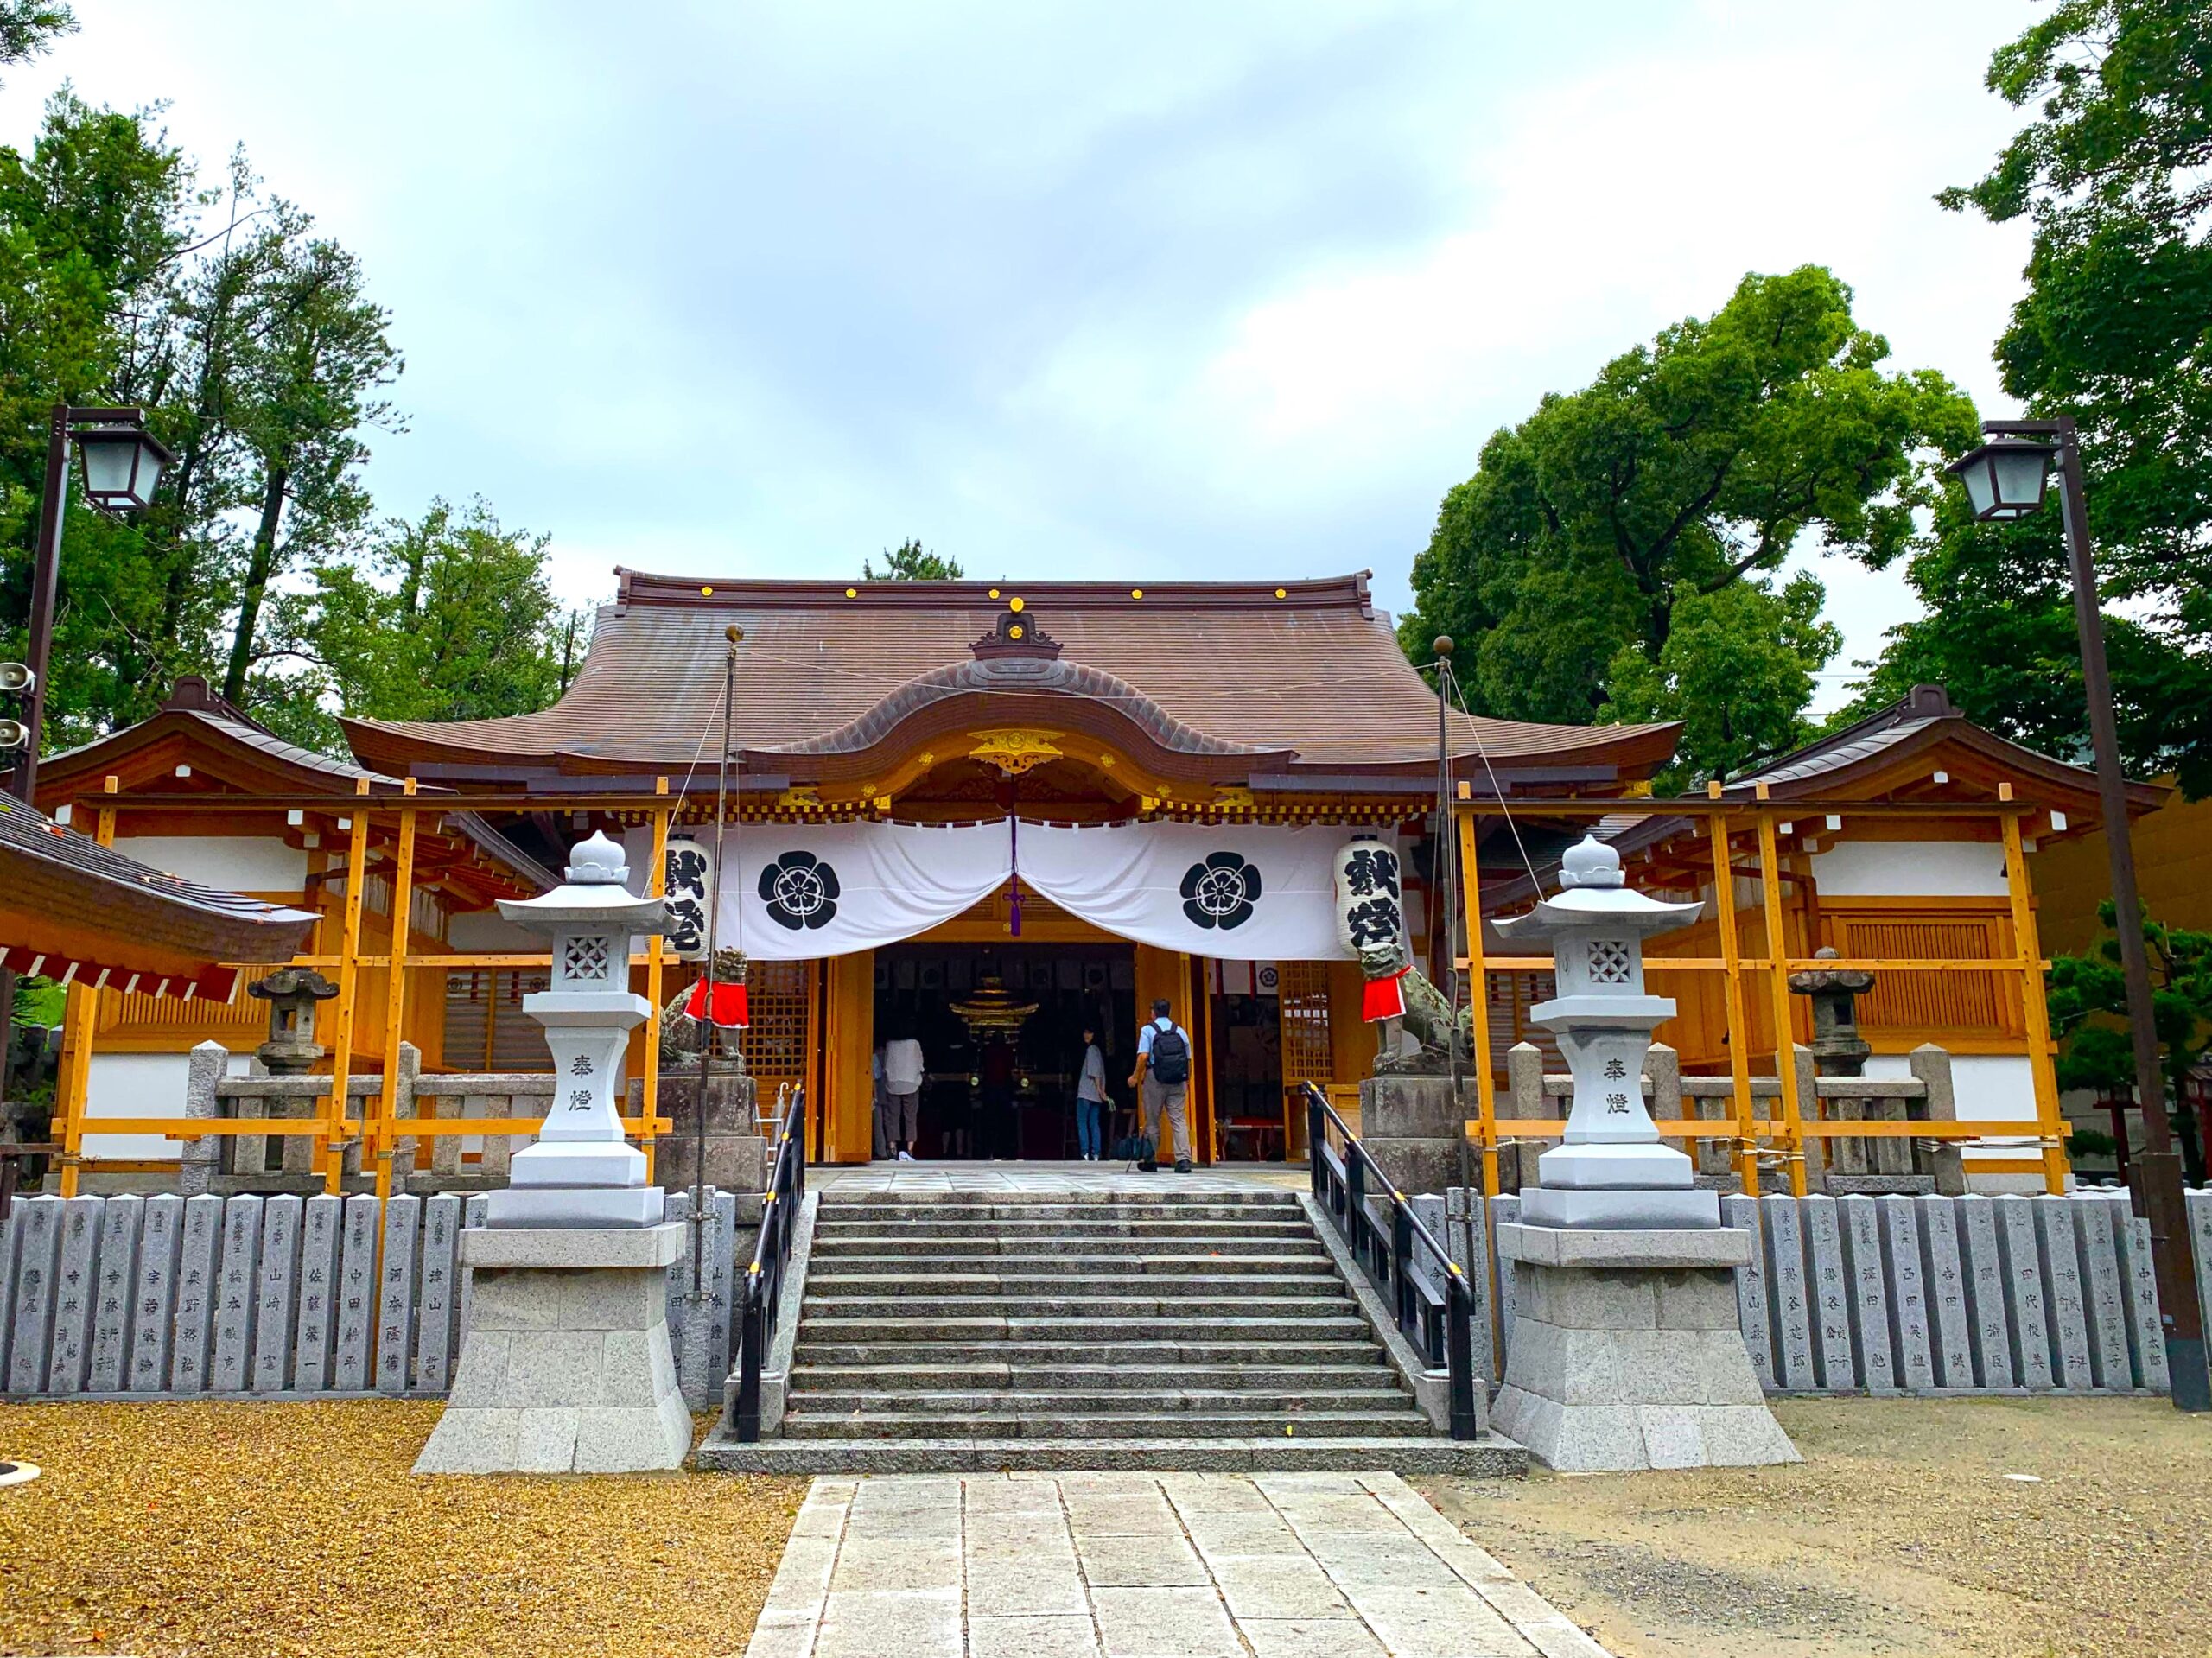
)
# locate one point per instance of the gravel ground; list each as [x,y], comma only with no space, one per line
[264,1529]
[1900,1535]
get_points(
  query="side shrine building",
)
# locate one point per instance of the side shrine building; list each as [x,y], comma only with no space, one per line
[992,817]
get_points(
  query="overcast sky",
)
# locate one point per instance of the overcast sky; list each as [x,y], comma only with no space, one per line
[1127,290]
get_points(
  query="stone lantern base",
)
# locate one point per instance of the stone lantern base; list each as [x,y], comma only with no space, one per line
[1626,1352]
[564,1364]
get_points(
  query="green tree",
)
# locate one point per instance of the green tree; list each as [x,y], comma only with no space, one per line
[2088,1013]
[1737,669]
[451,618]
[2113,175]
[1592,528]
[27,27]
[314,354]
[911,562]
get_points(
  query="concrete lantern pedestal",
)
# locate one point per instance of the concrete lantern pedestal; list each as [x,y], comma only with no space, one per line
[1626,1351]
[565,1366]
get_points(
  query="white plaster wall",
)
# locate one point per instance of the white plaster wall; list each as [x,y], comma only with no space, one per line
[1911,869]
[236,863]
[1989,1088]
[139,1085]
[488,932]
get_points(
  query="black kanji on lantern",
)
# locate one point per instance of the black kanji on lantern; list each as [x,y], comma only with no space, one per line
[1371,872]
[1221,891]
[800,891]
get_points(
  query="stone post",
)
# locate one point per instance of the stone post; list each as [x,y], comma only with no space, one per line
[1944,1159]
[1524,1078]
[201,1159]
[403,1150]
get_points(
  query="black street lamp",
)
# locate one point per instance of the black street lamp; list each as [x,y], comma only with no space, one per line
[123,462]
[2005,478]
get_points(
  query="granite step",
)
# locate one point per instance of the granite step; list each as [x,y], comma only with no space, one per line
[970,1374]
[1187,1302]
[1163,1194]
[1049,1329]
[1168,1397]
[1045,1247]
[1488,1457]
[1071,1351]
[1157,1257]
[1027,1276]
[1170,1226]
[1407,1423]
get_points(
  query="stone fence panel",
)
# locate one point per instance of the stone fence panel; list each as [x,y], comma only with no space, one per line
[283,1297]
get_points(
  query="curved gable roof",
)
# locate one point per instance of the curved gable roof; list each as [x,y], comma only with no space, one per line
[1306,668]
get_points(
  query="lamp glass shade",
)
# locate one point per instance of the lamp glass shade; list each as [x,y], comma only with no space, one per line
[123,465]
[2005,478]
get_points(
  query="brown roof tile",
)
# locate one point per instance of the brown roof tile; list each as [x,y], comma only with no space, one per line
[1308,666]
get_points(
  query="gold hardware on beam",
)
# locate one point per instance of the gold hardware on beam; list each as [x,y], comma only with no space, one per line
[1015,749]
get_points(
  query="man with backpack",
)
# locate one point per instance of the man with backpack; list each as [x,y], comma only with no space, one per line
[1163,1078]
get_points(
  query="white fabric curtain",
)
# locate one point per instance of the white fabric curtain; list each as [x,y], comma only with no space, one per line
[795,892]
[1237,892]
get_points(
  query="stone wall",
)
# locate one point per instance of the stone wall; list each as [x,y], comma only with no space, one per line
[283,1296]
[1916,1294]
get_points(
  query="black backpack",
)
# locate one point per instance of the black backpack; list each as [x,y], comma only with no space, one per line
[1171,1057]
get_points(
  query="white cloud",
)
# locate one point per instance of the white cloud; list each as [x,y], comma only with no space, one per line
[1145,288]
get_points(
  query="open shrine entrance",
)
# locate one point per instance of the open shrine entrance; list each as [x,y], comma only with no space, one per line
[1000,1027]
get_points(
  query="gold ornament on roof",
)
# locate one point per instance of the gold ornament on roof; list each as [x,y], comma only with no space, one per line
[1016,750]
[993,1007]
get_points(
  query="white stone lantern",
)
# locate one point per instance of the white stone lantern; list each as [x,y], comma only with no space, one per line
[1610,1171]
[581,1171]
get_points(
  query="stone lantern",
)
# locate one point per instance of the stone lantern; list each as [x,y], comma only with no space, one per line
[1626,1351]
[581,1171]
[564,1358]
[291,994]
[1610,1171]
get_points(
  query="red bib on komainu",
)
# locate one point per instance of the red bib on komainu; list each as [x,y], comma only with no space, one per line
[730,1010]
[1385,998]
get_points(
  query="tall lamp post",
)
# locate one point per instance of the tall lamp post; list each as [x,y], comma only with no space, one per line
[122,462]
[2005,479]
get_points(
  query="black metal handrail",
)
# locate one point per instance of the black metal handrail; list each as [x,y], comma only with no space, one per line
[1441,1325]
[762,1292]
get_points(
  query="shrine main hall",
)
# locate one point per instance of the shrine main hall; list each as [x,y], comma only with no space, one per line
[990,818]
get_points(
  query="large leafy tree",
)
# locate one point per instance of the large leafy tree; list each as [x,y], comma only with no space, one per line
[447,618]
[1690,468]
[2113,174]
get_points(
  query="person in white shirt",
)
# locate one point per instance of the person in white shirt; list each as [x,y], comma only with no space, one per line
[902,1091]
[1091,1097]
[1161,1079]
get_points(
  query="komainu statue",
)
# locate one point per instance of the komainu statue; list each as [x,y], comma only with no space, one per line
[681,1029]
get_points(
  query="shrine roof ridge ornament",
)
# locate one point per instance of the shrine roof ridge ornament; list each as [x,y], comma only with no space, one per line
[648,587]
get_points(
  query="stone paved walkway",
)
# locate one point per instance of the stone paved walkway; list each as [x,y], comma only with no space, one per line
[1136,1565]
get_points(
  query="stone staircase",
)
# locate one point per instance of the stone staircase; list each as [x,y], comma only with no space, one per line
[1143,1330]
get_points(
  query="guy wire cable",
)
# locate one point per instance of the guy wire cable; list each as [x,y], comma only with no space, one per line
[708,1026]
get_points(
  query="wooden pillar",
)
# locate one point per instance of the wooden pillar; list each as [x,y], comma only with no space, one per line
[2048,1122]
[847,1126]
[1778,952]
[377,1132]
[1198,1102]
[1477,998]
[1740,1061]
[656,887]
[81,1014]
[330,1129]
